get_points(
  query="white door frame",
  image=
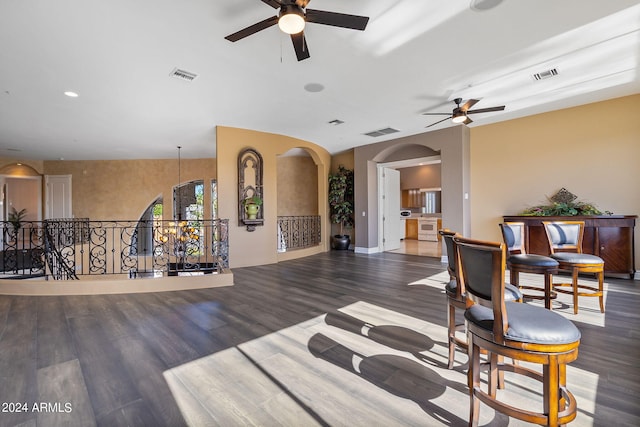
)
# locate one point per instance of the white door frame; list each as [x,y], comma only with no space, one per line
[420,161]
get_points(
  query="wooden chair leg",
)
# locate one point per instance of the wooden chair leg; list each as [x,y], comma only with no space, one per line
[474,382]
[601,289]
[452,335]
[574,284]
[551,394]
[548,288]
[515,280]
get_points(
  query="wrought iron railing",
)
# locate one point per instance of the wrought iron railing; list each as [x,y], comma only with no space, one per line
[298,232]
[71,248]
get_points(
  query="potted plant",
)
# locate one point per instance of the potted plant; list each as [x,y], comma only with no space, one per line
[341,204]
[16,217]
[252,206]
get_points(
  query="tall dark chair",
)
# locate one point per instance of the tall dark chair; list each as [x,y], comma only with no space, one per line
[522,332]
[565,246]
[519,261]
[456,295]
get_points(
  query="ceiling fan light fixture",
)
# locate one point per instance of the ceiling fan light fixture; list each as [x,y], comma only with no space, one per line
[459,117]
[291,19]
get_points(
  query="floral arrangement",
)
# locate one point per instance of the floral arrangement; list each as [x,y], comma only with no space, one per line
[564,203]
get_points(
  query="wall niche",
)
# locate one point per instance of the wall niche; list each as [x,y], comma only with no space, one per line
[250,197]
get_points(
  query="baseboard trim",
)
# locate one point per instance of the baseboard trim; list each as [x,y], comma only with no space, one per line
[361,250]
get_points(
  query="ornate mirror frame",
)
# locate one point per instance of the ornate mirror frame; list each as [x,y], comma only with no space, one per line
[250,185]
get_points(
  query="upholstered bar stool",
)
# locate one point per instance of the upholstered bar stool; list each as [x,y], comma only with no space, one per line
[522,332]
[565,246]
[456,296]
[519,261]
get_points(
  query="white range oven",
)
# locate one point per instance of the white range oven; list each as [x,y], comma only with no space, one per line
[428,229]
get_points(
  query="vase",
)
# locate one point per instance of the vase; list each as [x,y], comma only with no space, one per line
[252,210]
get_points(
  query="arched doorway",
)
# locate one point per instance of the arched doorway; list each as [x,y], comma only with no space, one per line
[299,218]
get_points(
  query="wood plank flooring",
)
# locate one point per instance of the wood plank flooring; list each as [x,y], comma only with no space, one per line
[336,339]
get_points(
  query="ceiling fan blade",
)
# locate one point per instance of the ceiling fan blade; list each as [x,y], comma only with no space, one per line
[252,29]
[486,110]
[436,114]
[343,20]
[273,3]
[470,103]
[300,45]
[467,121]
[439,121]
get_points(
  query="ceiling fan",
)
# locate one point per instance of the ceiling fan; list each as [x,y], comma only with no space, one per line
[291,19]
[461,112]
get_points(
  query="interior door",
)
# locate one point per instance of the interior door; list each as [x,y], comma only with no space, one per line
[390,209]
[58,196]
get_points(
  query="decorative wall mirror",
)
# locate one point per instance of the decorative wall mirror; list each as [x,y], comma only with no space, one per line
[250,200]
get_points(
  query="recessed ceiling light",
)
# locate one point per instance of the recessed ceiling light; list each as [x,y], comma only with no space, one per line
[71,94]
[313,87]
[482,5]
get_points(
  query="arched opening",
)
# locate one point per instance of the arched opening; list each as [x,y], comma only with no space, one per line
[412,226]
[299,217]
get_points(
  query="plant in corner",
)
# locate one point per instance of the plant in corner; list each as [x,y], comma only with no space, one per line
[341,204]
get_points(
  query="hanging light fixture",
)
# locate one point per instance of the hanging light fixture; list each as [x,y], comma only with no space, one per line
[179,233]
[291,19]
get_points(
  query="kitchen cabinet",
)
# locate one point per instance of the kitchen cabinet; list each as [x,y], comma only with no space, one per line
[412,229]
[611,237]
[412,198]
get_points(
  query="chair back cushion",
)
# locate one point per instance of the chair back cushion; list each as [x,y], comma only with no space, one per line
[481,268]
[477,271]
[513,235]
[447,237]
[564,235]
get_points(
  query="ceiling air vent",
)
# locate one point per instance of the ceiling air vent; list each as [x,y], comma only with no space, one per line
[380,132]
[546,74]
[183,75]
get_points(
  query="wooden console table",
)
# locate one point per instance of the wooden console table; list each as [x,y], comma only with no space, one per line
[611,237]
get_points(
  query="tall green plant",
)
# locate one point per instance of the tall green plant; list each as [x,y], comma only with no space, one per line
[341,197]
[16,217]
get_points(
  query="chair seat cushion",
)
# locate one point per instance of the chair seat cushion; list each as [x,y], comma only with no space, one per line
[532,260]
[527,323]
[577,258]
[511,293]
[451,287]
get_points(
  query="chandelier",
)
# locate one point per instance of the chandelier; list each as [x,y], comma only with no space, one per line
[178,234]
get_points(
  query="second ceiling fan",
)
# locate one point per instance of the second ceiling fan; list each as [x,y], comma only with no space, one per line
[460,114]
[291,19]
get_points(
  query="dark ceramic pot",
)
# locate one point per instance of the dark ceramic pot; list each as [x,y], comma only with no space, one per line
[340,242]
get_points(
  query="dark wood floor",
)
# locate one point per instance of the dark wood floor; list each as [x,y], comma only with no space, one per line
[333,339]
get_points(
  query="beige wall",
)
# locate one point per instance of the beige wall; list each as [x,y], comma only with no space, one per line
[344,158]
[592,151]
[427,176]
[260,246]
[297,186]
[123,189]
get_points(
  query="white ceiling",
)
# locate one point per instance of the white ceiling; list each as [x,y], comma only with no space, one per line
[414,56]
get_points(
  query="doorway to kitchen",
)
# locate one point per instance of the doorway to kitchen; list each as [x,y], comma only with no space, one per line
[409,223]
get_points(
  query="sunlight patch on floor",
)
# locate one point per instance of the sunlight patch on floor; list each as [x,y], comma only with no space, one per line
[360,365]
